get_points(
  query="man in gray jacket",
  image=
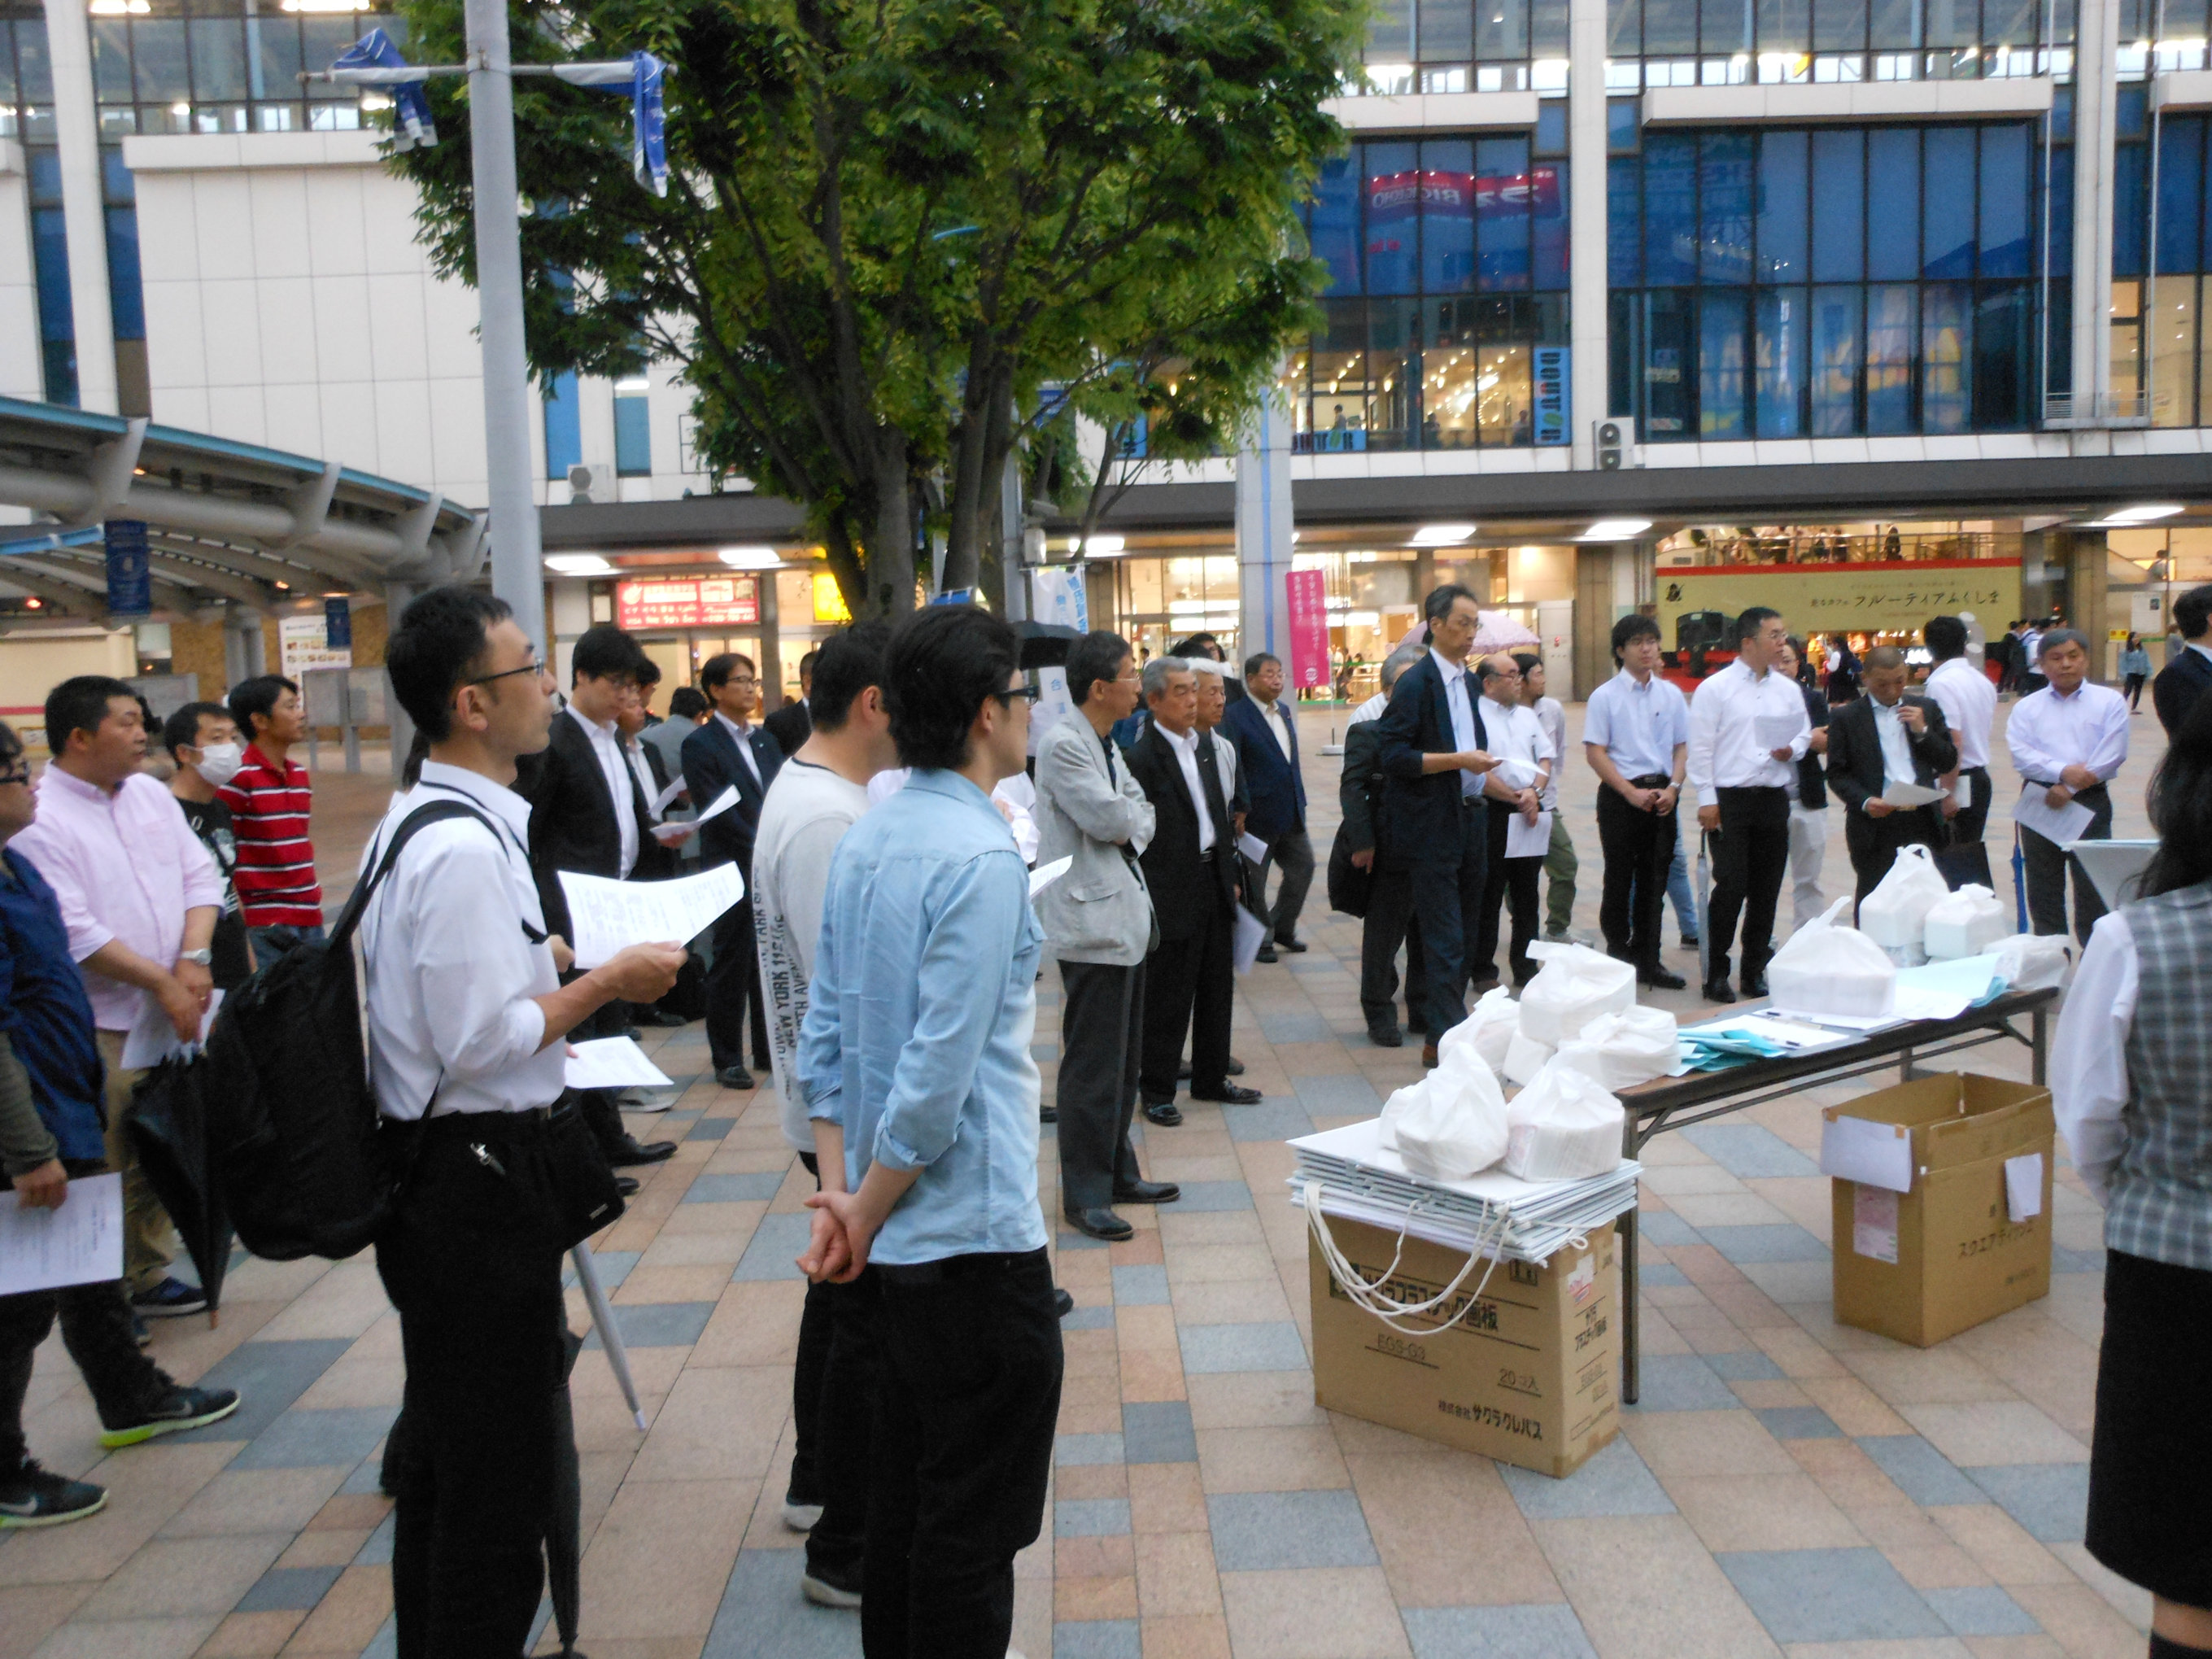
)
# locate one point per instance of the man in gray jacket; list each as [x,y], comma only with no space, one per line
[1097,921]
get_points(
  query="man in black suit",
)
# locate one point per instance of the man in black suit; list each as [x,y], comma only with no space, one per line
[1437,826]
[793,724]
[1390,921]
[2189,675]
[730,751]
[588,814]
[1190,868]
[1875,743]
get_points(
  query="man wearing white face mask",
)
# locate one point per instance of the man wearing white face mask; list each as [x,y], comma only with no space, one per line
[202,740]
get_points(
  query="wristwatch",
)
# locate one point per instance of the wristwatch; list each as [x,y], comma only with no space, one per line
[203,957]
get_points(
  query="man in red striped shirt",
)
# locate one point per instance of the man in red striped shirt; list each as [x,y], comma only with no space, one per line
[270,800]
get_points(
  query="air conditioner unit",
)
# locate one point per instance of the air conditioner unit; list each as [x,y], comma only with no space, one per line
[590,483]
[1615,439]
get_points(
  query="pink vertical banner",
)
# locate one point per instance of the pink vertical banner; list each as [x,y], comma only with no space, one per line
[1309,597]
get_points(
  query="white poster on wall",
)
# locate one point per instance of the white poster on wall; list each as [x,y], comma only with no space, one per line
[1056,595]
[303,642]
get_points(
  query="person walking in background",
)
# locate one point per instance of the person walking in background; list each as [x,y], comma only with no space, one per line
[50,1136]
[1561,864]
[2188,673]
[1808,803]
[270,804]
[791,725]
[2127,1085]
[1267,738]
[2068,741]
[1636,733]
[1969,703]
[202,739]
[1390,921]
[2032,678]
[1875,743]
[140,895]
[1515,789]
[2135,669]
[727,751]
[1098,923]
[687,707]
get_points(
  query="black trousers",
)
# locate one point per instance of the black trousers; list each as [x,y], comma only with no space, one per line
[1101,1045]
[1513,878]
[970,1397]
[833,1389]
[2134,693]
[1291,853]
[1448,893]
[1871,856]
[1390,922]
[1964,858]
[732,986]
[1639,849]
[471,1259]
[1190,985]
[2047,864]
[1751,855]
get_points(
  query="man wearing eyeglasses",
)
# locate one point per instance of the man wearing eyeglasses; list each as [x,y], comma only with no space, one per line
[730,751]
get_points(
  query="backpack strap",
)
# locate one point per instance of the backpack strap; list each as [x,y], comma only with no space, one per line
[422,818]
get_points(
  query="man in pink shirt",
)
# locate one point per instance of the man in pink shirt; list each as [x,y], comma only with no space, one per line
[139,895]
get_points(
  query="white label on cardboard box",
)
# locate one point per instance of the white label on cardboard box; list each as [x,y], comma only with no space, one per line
[2023,1186]
[1874,1223]
[1581,1280]
[1871,1153]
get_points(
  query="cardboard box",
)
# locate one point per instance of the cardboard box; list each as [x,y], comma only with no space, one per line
[1530,1375]
[1925,1263]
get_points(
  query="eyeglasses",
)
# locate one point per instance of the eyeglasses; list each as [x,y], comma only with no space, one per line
[745,680]
[526,668]
[18,771]
[1006,697]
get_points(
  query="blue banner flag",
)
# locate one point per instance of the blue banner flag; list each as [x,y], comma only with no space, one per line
[639,76]
[129,576]
[373,60]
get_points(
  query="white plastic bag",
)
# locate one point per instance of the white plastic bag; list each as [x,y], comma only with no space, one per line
[1489,1025]
[1563,1127]
[1619,1051]
[1829,970]
[1525,1056]
[1574,985]
[2029,962]
[1896,913]
[1451,1124]
[1966,923]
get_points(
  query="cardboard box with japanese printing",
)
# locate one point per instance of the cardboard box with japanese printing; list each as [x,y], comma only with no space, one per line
[1941,1204]
[1529,1373]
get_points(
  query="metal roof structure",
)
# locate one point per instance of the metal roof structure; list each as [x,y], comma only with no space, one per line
[228,522]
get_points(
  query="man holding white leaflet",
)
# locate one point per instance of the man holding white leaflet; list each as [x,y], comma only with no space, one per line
[1515,790]
[2067,741]
[1969,702]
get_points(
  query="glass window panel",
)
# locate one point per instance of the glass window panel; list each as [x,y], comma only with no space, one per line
[2127,358]
[1552,127]
[274,44]
[1447,215]
[1669,26]
[1947,214]
[1894,174]
[1780,362]
[1393,204]
[1666,360]
[1725,199]
[2011,22]
[31,64]
[564,438]
[2001,359]
[2130,208]
[2184,20]
[111,60]
[119,185]
[126,296]
[1624,126]
[1501,29]
[1624,222]
[1447,31]
[2062,114]
[1946,349]
[1782,209]
[2057,336]
[1838,207]
[2061,245]
[1785,26]
[633,438]
[1334,222]
[1504,397]
[157,46]
[1623,312]
[1953,23]
[1624,28]
[2181,192]
[218,59]
[2174,352]
[2006,225]
[1835,328]
[2131,109]
[1894,25]
[1548,207]
[7,62]
[1726,25]
[1448,395]
[2204,348]
[1390,32]
[1339,377]
[1547,28]
[321,41]
[1893,329]
[1502,192]
[50,261]
[1393,367]
[1670,208]
[1720,365]
[1839,25]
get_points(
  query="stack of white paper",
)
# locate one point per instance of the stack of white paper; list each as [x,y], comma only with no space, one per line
[607,915]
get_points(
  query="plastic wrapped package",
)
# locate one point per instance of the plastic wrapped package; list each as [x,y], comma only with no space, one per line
[1563,1127]
[1489,1025]
[1619,1051]
[1525,1057]
[1824,969]
[2029,962]
[1572,987]
[1966,923]
[1451,1124]
[1895,915]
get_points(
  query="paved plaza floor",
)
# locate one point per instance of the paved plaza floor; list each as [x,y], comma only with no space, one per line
[1786,1484]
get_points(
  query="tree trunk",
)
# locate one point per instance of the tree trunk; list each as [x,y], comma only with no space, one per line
[890,551]
[979,472]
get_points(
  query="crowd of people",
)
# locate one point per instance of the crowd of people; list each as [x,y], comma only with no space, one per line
[886,957]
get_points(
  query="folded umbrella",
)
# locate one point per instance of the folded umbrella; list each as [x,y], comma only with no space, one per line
[168,1129]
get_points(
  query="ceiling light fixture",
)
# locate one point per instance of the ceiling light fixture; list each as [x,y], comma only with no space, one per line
[1615,530]
[1440,535]
[2146,513]
[1098,547]
[578,564]
[751,558]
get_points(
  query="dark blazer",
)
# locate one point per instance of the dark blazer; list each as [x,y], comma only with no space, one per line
[2178,686]
[711,764]
[654,861]
[1360,786]
[1812,784]
[572,818]
[1277,787]
[1420,811]
[790,726]
[1855,772]
[1178,880]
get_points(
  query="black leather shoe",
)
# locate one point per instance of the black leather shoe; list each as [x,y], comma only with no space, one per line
[629,1031]
[1482,986]
[1101,1223]
[626,1185]
[628,1151]
[1048,1113]
[1754,985]
[1147,1192]
[1386,1036]
[1062,1303]
[1166,1116]
[1296,947]
[1660,980]
[1236,1066]
[1266,953]
[734,1077]
[666,1019]
[1716,990]
[1233,1094]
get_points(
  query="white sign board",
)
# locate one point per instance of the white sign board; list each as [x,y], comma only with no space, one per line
[301,644]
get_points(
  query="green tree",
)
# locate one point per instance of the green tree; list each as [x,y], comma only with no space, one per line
[890,224]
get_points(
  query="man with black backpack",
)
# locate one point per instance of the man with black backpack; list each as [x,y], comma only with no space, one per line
[466,1014]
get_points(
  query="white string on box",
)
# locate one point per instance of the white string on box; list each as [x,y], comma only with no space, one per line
[1367,1296]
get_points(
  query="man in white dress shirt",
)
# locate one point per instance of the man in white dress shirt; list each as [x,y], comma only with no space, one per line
[1969,701]
[1748,731]
[1636,733]
[466,1014]
[1516,789]
[2067,741]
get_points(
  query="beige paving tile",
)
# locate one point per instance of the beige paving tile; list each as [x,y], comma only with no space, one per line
[257,1501]
[1166,1498]
[2083,1622]
[1706,1442]
[1175,1575]
[144,1488]
[1923,1376]
[1230,1301]
[1851,1478]
[1253,1400]
[371,1380]
[333,1546]
[657,1565]
[2014,1647]
[28,1612]
[1743,1209]
[173,1637]
[1080,1599]
[1761,1512]
[2131,1602]
[753,1323]
[1936,1647]
[252,1635]
[344,1302]
[1094,1558]
[1300,1459]
[719,1423]
[2000,1545]
[1326,1612]
[1994,1431]
[1857,1408]
[1644,1588]
[1673,1180]
[1186,1636]
[349,1614]
[186,1575]
[1432,1516]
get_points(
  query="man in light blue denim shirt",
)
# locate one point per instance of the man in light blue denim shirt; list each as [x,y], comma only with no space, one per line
[914,1060]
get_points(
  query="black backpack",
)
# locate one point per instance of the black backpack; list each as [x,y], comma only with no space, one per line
[292,1130]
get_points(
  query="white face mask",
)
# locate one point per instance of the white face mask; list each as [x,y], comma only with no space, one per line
[219,762]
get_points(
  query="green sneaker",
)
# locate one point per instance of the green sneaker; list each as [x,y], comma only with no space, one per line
[179,1409]
[32,1497]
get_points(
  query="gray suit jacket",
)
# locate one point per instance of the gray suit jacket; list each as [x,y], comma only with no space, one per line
[1099,911]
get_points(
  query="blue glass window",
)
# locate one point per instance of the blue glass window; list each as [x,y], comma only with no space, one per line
[1947,330]
[564,437]
[1783,210]
[1670,209]
[1946,216]
[1334,235]
[1549,209]
[1447,215]
[2130,208]
[1503,188]
[1780,362]
[1893,186]
[2061,236]
[126,299]
[1624,222]
[1724,206]
[56,326]
[632,435]
[1838,207]
[1393,185]
[1892,331]
[2002,356]
[2005,203]
[1835,368]
[1720,364]
[2180,193]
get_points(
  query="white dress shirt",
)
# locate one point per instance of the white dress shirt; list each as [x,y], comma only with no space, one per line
[1272,711]
[1725,749]
[1458,698]
[1553,720]
[2204,651]
[453,979]
[1896,742]
[2089,1055]
[1969,702]
[1516,737]
[633,752]
[607,748]
[2047,732]
[1369,710]
[1638,724]
[743,736]
[1186,753]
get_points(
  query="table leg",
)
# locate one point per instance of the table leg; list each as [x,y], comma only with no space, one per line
[1625,1231]
[2039,1044]
[1904,1072]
